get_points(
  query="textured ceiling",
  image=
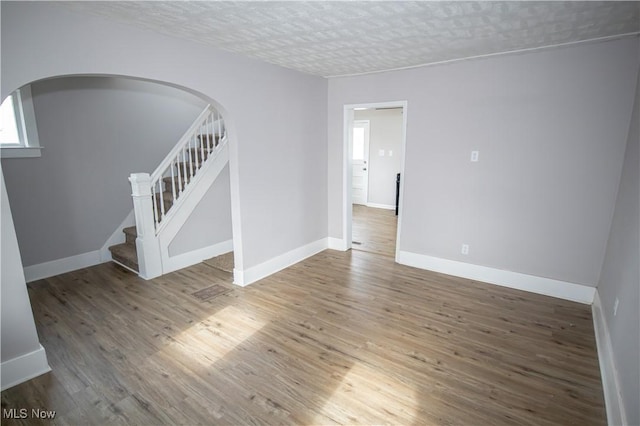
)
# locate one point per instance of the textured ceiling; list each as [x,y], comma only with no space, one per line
[341,38]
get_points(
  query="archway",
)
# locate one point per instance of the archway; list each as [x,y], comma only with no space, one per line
[86,180]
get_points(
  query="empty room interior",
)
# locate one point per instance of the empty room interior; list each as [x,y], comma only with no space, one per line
[394,212]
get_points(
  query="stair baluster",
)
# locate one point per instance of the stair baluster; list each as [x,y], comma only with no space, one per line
[173,182]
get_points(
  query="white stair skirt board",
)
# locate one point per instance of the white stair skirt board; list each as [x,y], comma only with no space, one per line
[62,266]
[170,227]
[381,206]
[616,414]
[23,368]
[278,263]
[173,263]
[337,244]
[546,286]
[117,237]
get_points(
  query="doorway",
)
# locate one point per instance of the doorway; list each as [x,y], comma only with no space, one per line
[374,140]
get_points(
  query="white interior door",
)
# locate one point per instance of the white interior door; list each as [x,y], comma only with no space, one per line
[360,162]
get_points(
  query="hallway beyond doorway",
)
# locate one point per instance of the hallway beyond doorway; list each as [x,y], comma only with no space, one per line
[374,230]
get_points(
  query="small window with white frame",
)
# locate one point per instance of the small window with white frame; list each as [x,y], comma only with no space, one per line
[18,130]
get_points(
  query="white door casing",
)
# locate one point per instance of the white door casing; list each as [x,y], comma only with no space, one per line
[360,162]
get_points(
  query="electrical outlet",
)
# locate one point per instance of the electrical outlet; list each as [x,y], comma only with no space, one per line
[615,307]
[390,153]
[475,155]
[465,249]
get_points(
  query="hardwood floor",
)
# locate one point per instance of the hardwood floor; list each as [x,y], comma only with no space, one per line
[342,337]
[374,230]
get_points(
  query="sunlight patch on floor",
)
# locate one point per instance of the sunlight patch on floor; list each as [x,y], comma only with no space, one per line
[211,339]
[381,396]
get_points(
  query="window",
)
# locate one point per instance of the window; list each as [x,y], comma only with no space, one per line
[18,131]
[9,134]
[358,143]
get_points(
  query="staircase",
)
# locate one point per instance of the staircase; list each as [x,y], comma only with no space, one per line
[125,254]
[158,196]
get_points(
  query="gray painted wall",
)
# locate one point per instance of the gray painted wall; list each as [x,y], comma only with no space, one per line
[385,128]
[276,117]
[210,222]
[95,131]
[19,336]
[551,127]
[621,274]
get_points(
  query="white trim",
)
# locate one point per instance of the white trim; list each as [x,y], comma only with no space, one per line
[347,176]
[29,123]
[489,55]
[20,152]
[234,188]
[381,206]
[62,266]
[278,263]
[610,384]
[547,286]
[238,277]
[405,114]
[117,237]
[336,244]
[23,368]
[179,261]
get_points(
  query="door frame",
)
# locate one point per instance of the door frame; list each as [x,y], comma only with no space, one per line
[347,173]
[366,124]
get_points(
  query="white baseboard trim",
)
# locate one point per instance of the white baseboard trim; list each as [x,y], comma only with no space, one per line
[173,263]
[23,368]
[616,414]
[547,286]
[238,277]
[62,266]
[336,244]
[381,206]
[117,237]
[278,263]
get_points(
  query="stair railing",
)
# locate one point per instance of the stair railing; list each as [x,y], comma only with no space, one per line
[169,182]
[200,142]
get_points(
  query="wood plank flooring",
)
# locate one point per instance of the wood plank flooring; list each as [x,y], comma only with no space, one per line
[340,338]
[374,230]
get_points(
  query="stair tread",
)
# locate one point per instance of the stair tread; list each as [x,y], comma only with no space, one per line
[125,249]
[131,230]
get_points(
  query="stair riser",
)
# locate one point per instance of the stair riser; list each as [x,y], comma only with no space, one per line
[197,155]
[184,169]
[130,239]
[167,183]
[127,262]
[209,140]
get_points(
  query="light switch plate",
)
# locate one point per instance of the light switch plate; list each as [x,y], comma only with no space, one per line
[381,152]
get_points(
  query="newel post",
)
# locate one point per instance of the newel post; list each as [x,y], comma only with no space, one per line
[147,245]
